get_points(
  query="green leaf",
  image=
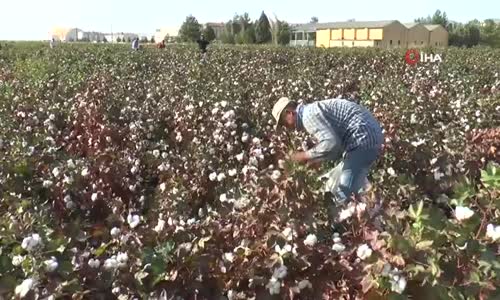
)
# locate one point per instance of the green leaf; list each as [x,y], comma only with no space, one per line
[5,264]
[7,282]
[101,250]
[423,245]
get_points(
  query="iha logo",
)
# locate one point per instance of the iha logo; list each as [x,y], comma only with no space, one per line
[413,56]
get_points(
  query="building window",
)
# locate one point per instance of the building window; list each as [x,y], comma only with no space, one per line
[421,42]
[300,36]
[353,43]
[390,42]
[342,43]
[436,43]
[399,43]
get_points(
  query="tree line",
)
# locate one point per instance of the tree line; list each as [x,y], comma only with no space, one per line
[239,30]
[468,34]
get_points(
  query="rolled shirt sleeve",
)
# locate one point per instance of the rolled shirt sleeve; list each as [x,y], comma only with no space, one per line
[329,145]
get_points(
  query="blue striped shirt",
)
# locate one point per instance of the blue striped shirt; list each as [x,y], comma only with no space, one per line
[339,125]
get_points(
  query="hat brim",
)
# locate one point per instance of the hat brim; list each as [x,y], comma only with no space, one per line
[278,122]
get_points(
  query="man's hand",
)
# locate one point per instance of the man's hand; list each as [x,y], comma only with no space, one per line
[300,157]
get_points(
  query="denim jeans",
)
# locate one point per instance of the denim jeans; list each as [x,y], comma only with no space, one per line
[357,164]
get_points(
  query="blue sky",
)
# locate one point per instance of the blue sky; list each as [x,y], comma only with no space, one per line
[33,19]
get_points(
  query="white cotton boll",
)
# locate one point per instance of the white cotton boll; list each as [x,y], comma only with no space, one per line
[463,213]
[133,170]
[493,232]
[212,176]
[17,260]
[85,172]
[56,172]
[304,284]
[364,251]
[71,164]
[287,232]
[122,259]
[68,180]
[51,264]
[276,175]
[281,164]
[232,172]
[245,137]
[228,257]
[221,177]
[111,263]
[160,226]
[360,208]
[337,239]
[338,247]
[156,153]
[52,117]
[311,240]
[223,198]
[280,272]
[94,197]
[133,220]
[23,289]
[438,175]
[164,155]
[223,103]
[47,183]
[178,138]
[215,111]
[239,157]
[391,172]
[347,213]
[274,286]
[163,187]
[115,232]
[228,115]
[256,141]
[31,242]
[94,263]
[398,285]
[241,203]
[108,139]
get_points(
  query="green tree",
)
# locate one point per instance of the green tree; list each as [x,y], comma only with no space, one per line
[263,30]
[314,20]
[152,40]
[284,31]
[209,33]
[190,30]
[473,34]
[490,33]
[440,18]
[118,40]
[144,40]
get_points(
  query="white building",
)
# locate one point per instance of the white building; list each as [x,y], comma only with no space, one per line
[122,36]
[76,34]
[166,33]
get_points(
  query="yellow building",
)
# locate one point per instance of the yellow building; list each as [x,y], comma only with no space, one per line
[380,34]
[383,34]
[417,35]
[438,36]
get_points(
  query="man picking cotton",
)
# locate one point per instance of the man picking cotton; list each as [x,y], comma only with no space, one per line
[339,126]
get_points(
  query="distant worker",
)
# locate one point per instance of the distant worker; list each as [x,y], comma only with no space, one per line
[161,44]
[135,44]
[203,43]
[52,43]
